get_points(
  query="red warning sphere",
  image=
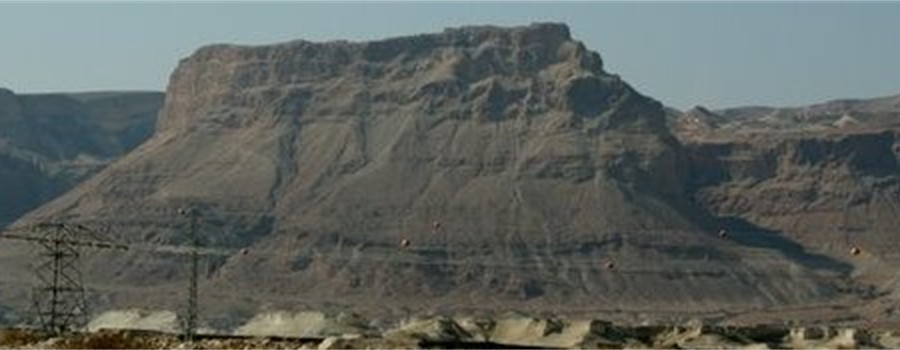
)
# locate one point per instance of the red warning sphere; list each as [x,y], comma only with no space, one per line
[855,251]
[404,243]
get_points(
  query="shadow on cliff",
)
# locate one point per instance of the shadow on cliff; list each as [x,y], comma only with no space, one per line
[745,233]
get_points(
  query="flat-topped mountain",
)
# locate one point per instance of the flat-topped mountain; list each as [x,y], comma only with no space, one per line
[481,168]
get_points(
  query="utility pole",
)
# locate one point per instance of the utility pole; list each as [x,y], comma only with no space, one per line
[58,299]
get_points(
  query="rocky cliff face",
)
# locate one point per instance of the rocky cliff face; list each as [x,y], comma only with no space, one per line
[480,168]
[829,185]
[830,192]
[50,142]
[826,175]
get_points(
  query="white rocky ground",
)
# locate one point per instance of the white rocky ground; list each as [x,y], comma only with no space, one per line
[314,330]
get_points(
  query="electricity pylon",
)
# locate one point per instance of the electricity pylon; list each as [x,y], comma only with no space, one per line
[190,315]
[58,299]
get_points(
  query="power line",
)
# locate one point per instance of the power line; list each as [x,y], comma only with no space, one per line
[59,300]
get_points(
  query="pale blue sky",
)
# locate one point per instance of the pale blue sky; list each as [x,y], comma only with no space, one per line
[715,54]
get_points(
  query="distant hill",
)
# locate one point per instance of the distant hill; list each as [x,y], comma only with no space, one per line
[51,142]
[837,116]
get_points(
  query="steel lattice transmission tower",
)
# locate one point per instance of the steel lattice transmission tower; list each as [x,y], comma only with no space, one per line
[190,314]
[58,298]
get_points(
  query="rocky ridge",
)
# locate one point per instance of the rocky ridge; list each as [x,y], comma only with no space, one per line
[51,142]
[832,117]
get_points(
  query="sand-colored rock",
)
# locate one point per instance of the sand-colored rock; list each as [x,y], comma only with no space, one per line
[886,339]
[442,332]
[440,329]
[479,328]
[307,324]
[834,338]
[555,333]
[701,337]
[162,321]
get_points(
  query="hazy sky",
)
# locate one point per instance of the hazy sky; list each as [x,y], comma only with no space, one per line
[715,54]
